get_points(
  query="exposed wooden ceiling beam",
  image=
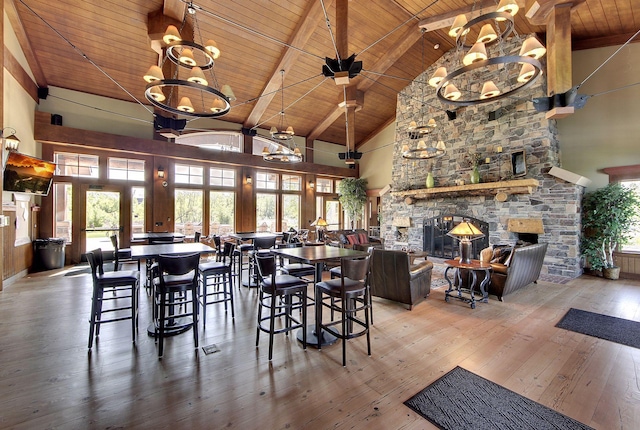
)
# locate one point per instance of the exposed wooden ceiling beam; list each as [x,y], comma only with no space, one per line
[174,9]
[300,36]
[25,44]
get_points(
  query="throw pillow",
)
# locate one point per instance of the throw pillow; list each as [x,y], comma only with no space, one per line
[363,238]
[501,253]
[343,239]
[353,239]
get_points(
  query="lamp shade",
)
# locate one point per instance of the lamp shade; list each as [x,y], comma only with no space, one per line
[321,222]
[227,91]
[526,73]
[185,105]
[438,76]
[157,94]
[466,230]
[508,6]
[451,92]
[218,105]
[478,52]
[153,74]
[458,23]
[487,34]
[186,57]
[212,47]
[171,35]
[489,89]
[197,76]
[532,48]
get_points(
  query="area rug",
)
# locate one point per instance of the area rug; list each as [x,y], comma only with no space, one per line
[605,327]
[463,400]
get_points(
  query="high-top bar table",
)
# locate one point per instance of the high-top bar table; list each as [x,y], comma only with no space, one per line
[317,255]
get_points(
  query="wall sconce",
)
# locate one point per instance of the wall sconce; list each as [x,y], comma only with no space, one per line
[11,141]
[249,180]
[160,172]
[312,184]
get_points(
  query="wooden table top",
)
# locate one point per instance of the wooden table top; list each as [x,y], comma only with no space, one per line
[253,235]
[148,251]
[155,235]
[316,254]
[473,265]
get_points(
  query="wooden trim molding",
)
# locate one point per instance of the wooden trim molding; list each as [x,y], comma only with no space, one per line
[622,173]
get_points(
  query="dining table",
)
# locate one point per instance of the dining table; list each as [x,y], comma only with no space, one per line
[149,252]
[155,235]
[318,256]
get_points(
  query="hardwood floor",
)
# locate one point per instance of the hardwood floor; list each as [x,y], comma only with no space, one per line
[49,380]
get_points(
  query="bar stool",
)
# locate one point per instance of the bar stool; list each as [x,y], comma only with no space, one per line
[261,245]
[219,276]
[120,255]
[125,287]
[176,296]
[281,294]
[352,290]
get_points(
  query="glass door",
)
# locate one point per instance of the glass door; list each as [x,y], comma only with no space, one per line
[102,209]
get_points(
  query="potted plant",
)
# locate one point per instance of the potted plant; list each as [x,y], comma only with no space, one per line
[352,193]
[608,217]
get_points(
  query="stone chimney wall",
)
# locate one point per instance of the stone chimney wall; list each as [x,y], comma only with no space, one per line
[517,127]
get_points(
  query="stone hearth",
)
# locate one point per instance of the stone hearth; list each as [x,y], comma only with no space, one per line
[494,138]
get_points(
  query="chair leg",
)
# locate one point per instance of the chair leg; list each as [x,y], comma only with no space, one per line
[304,318]
[318,304]
[203,292]
[368,311]
[92,320]
[272,324]
[134,312]
[345,315]
[260,298]
[161,325]
[194,311]
[230,285]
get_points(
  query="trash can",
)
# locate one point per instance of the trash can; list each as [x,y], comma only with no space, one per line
[48,254]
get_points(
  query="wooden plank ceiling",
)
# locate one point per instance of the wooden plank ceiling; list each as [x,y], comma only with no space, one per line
[111,50]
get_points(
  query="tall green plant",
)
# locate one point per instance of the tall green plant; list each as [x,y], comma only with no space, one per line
[353,195]
[608,216]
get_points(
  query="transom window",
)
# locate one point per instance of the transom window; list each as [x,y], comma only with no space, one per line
[189,174]
[291,183]
[324,185]
[70,164]
[214,140]
[123,168]
[222,177]
[266,181]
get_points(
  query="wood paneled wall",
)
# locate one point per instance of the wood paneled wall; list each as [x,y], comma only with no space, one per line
[17,258]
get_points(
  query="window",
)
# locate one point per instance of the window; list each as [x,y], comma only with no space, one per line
[266,181]
[291,183]
[266,212]
[62,203]
[69,164]
[221,212]
[634,244]
[214,140]
[188,211]
[123,168]
[187,174]
[137,209]
[290,212]
[324,185]
[222,177]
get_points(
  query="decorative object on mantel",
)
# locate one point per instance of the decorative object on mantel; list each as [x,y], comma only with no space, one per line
[430,183]
[609,216]
[177,95]
[503,74]
[474,175]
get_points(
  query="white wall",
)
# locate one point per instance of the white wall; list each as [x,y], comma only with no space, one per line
[376,163]
[605,133]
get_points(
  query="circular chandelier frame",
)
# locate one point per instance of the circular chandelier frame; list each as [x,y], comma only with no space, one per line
[422,154]
[506,59]
[175,57]
[179,83]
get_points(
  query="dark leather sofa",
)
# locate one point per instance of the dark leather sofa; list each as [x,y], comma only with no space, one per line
[393,278]
[521,268]
[356,239]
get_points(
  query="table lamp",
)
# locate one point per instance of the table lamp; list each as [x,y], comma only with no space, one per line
[320,225]
[465,232]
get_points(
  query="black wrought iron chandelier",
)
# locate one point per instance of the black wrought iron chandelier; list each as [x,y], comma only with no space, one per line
[486,74]
[193,88]
[284,149]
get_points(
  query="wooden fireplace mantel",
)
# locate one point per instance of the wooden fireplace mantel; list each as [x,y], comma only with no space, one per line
[500,189]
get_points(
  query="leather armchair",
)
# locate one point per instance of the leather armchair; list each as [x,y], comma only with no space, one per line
[393,278]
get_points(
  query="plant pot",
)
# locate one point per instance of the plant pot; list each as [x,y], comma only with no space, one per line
[611,273]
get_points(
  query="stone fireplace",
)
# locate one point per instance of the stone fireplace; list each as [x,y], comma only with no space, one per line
[507,196]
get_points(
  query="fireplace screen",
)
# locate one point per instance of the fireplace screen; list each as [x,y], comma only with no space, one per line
[438,244]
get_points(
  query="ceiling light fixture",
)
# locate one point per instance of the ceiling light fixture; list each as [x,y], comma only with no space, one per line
[193,89]
[498,74]
[285,149]
[415,131]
